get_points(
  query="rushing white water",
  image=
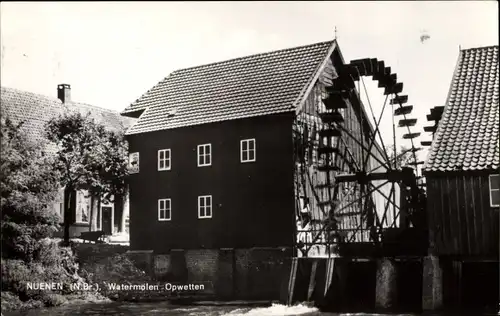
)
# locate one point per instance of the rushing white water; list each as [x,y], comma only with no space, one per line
[275,309]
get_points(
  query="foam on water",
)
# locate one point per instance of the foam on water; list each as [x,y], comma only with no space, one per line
[274,309]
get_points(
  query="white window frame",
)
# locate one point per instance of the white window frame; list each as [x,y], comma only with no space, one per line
[491,190]
[203,155]
[165,208]
[166,160]
[205,206]
[247,150]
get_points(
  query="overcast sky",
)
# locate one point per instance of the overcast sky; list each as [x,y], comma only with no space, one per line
[111,53]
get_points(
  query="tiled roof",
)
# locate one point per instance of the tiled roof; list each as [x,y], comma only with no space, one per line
[256,85]
[36,110]
[467,137]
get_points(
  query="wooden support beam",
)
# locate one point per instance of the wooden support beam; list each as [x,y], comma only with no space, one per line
[411,135]
[391,175]
[330,132]
[394,89]
[438,109]
[393,78]
[403,110]
[407,122]
[324,185]
[291,282]
[416,163]
[360,65]
[430,129]
[399,99]
[326,168]
[368,66]
[335,101]
[380,70]
[327,150]
[374,65]
[331,117]
[344,93]
[312,280]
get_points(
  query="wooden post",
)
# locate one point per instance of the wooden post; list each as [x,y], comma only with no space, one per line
[386,284]
[312,280]
[330,270]
[457,275]
[432,287]
[291,281]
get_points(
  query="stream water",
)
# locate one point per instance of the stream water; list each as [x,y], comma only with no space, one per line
[164,308]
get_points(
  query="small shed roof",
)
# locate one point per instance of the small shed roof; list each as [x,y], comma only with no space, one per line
[262,84]
[467,137]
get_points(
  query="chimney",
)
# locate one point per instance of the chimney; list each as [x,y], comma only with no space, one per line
[64,92]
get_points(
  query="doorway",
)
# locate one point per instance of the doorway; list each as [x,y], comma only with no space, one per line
[107,219]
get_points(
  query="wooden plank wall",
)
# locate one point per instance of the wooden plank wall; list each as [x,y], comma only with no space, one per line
[461,220]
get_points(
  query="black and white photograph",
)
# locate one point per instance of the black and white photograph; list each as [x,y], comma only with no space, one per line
[249,158]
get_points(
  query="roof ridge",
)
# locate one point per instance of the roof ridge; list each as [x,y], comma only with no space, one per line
[250,56]
[129,108]
[93,106]
[480,47]
[31,93]
[58,101]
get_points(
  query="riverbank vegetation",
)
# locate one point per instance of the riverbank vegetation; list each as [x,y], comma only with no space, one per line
[30,179]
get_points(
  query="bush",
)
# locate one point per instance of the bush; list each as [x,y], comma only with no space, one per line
[28,184]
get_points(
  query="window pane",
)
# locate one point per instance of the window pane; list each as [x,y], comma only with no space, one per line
[207,149]
[167,214]
[208,159]
[160,154]
[161,204]
[209,201]
[201,202]
[251,155]
[161,164]
[161,214]
[167,154]
[245,156]
[495,197]
[167,204]
[200,160]
[251,145]
[494,182]
[209,211]
[244,145]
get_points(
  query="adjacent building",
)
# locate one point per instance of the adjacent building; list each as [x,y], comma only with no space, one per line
[35,110]
[463,181]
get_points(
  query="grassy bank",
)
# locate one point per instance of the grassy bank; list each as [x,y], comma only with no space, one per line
[81,264]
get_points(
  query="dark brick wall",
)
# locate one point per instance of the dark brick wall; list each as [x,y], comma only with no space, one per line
[256,273]
[202,268]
